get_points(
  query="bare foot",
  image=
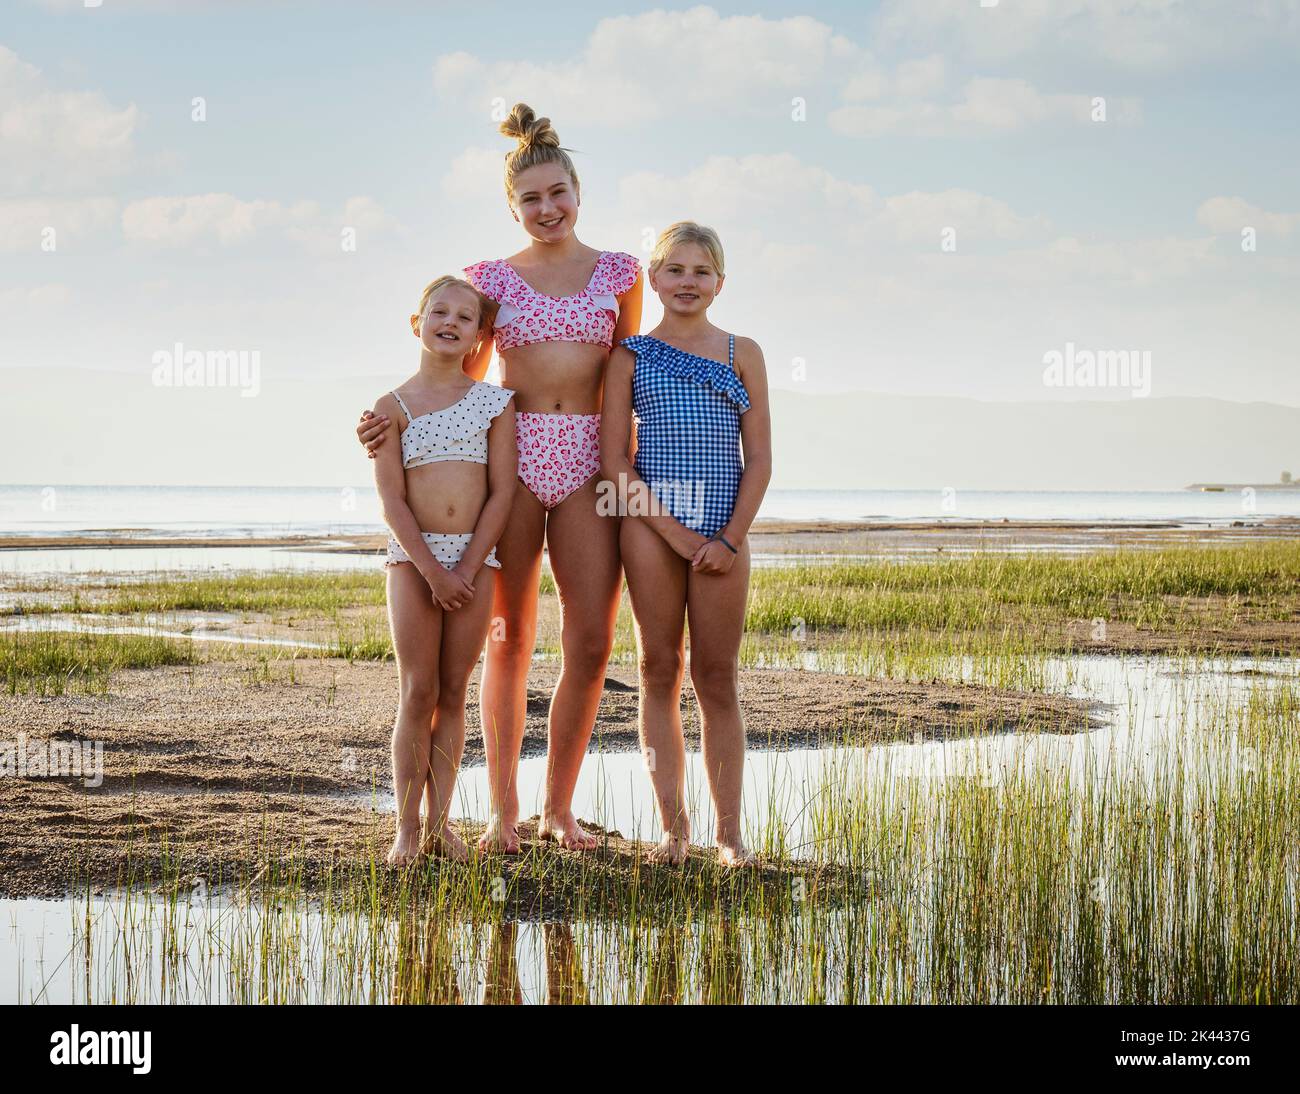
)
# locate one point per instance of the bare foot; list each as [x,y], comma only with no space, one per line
[499,837]
[406,845]
[567,832]
[446,844]
[671,850]
[735,854]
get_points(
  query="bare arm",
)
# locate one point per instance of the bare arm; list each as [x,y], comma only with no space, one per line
[478,359]
[755,440]
[390,482]
[629,311]
[616,467]
[756,443]
[503,464]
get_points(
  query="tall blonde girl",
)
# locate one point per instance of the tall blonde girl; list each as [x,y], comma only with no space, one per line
[561,307]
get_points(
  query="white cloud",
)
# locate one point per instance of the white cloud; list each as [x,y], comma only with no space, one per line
[637,67]
[61,141]
[987,105]
[1231,215]
[224,220]
[631,69]
[474,171]
[922,216]
[783,216]
[74,221]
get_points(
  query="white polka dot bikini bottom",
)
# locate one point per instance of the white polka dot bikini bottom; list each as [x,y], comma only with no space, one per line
[447,547]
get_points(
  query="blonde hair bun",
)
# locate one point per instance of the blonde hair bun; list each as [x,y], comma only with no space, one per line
[528,129]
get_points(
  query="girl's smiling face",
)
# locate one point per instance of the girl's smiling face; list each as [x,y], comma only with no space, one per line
[450,322]
[546,202]
[687,281]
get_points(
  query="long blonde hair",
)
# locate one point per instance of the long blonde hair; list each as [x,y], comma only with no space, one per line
[538,144]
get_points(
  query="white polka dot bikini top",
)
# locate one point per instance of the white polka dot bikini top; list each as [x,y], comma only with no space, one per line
[456,432]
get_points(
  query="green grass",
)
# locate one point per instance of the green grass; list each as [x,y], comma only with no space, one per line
[52,662]
[268,592]
[988,591]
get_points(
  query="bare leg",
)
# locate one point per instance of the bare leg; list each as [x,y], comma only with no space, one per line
[463,632]
[503,689]
[416,622]
[656,582]
[715,608]
[584,554]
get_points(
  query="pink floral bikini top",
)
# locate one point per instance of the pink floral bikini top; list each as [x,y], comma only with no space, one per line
[527,316]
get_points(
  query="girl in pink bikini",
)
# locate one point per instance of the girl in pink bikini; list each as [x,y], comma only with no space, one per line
[561,307]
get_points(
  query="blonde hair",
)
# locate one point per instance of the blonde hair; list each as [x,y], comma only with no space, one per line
[487,307]
[538,144]
[687,231]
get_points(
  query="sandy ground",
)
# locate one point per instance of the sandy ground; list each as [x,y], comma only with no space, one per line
[223,765]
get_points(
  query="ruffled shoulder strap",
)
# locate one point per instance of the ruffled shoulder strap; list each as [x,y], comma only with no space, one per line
[638,343]
[687,366]
[494,399]
[475,413]
[616,272]
[486,276]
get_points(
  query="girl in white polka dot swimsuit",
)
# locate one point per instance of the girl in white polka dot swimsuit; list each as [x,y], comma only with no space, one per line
[446,495]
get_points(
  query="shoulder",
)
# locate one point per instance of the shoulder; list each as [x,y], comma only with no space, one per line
[485,275]
[621,269]
[634,344]
[748,351]
[387,405]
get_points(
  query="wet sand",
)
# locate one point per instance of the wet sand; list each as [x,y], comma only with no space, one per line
[215,767]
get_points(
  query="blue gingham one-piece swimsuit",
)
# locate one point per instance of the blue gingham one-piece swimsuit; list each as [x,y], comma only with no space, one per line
[688,412]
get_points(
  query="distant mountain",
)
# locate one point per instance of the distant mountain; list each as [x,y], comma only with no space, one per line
[88,426]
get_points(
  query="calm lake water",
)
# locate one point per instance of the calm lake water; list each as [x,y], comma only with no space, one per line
[272,511]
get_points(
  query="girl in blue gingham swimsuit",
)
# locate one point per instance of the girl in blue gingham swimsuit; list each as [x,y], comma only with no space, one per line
[688,412]
[687,488]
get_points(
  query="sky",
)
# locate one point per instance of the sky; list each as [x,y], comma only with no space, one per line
[915,198]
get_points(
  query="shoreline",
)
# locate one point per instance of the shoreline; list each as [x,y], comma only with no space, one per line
[766,536]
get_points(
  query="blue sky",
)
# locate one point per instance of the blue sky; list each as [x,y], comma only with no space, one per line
[223,234]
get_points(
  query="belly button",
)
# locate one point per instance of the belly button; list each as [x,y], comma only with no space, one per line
[557,406]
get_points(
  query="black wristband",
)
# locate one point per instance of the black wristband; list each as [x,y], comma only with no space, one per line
[727,545]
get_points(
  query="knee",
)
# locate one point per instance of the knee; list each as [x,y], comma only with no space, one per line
[714,679]
[451,694]
[587,653]
[419,696]
[511,643]
[661,668]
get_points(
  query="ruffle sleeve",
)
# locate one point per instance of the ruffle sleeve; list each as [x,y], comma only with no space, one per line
[486,277]
[617,273]
[495,401]
[689,367]
[470,418]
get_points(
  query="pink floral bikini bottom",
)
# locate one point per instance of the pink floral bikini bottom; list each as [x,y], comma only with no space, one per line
[558,453]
